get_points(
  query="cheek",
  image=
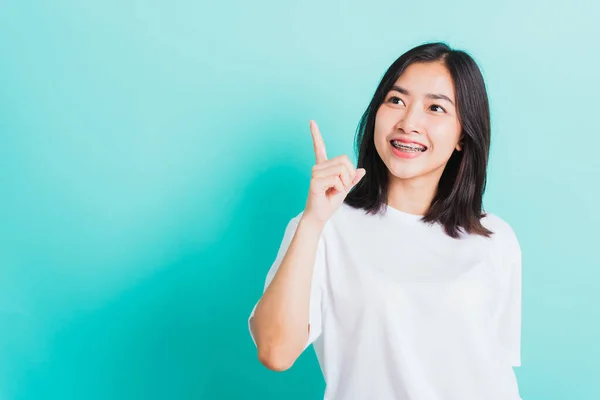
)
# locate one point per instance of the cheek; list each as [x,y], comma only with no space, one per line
[444,137]
[382,129]
[381,120]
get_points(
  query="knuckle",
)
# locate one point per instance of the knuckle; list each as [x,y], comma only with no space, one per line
[348,162]
[349,171]
[346,159]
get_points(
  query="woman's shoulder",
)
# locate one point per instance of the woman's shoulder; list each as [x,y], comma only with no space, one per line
[341,213]
[494,221]
[344,219]
[503,233]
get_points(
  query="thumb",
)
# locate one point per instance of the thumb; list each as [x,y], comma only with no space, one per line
[360,173]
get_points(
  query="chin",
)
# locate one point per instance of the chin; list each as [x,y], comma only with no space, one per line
[404,174]
[404,171]
[401,170]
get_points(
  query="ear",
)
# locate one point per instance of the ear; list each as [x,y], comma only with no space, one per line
[459,146]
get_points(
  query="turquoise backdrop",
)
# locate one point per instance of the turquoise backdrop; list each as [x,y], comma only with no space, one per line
[152,152]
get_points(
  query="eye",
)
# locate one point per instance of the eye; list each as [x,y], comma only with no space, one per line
[436,106]
[396,100]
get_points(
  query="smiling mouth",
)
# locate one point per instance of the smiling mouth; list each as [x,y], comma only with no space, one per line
[408,147]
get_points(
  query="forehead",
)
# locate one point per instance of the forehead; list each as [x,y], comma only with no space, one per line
[423,78]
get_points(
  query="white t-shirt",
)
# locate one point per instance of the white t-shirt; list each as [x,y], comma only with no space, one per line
[400,310]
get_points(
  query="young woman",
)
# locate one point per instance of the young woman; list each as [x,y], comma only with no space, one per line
[406,288]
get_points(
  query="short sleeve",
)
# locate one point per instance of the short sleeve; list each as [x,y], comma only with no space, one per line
[316,292]
[509,310]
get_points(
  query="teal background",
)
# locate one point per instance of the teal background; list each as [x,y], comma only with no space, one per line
[152,153]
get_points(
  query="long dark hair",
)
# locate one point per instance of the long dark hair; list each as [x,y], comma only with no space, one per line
[457,204]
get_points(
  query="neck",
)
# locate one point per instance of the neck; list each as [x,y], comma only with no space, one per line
[413,196]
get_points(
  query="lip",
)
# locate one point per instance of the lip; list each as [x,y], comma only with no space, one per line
[405,140]
[402,154]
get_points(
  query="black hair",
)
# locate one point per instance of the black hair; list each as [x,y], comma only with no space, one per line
[457,204]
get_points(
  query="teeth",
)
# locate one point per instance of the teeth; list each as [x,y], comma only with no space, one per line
[406,146]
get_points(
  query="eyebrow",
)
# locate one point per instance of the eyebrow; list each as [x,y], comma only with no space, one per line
[435,96]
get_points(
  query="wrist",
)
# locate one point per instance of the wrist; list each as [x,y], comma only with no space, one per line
[311,223]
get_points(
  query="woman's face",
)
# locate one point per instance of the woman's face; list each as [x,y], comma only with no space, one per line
[419,108]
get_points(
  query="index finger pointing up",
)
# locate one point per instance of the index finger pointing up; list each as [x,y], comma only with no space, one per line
[318,143]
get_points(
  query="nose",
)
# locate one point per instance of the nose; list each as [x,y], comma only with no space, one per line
[410,121]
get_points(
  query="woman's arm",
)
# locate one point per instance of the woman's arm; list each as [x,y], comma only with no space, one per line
[280,323]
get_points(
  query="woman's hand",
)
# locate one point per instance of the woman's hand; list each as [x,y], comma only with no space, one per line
[331,181]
